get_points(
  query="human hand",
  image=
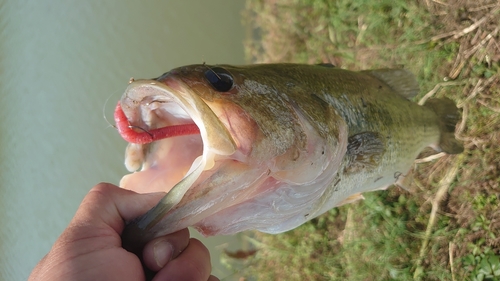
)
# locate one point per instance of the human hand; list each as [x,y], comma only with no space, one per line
[90,248]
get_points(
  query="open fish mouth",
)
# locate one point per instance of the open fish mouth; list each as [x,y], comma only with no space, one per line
[173,136]
[149,129]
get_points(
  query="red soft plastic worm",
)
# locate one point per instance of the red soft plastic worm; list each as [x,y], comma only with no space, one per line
[129,134]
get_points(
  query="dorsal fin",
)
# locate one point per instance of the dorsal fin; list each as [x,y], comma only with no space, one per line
[401,81]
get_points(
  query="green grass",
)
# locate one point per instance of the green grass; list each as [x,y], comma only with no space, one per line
[446,226]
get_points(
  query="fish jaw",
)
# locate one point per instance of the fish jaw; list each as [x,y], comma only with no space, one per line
[149,105]
[269,196]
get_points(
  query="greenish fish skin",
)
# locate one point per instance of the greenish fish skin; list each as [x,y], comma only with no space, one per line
[360,128]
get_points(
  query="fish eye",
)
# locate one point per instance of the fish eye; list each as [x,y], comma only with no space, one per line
[219,78]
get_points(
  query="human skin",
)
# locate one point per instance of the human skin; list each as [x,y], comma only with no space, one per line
[90,248]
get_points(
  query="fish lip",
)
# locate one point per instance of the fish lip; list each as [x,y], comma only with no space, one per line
[172,89]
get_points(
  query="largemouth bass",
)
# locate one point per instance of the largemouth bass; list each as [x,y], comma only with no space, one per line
[271,146]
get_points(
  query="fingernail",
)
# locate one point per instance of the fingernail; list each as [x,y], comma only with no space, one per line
[163,251]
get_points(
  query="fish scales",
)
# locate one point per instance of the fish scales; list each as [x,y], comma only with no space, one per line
[367,105]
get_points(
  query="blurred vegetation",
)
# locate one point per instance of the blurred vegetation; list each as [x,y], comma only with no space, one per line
[446,225]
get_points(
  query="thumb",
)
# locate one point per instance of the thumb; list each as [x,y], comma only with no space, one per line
[109,204]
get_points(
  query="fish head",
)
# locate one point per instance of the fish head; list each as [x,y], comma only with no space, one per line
[258,162]
[165,102]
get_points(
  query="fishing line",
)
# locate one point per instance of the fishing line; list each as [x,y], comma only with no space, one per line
[106,103]
[142,129]
[104,109]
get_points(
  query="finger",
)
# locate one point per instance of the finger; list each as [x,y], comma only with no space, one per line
[158,252]
[213,278]
[112,205]
[192,264]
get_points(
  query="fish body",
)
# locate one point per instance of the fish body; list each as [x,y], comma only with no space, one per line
[278,144]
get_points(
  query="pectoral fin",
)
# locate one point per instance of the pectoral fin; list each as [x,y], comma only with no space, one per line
[364,150]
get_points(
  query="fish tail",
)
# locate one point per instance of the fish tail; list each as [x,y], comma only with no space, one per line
[448,116]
